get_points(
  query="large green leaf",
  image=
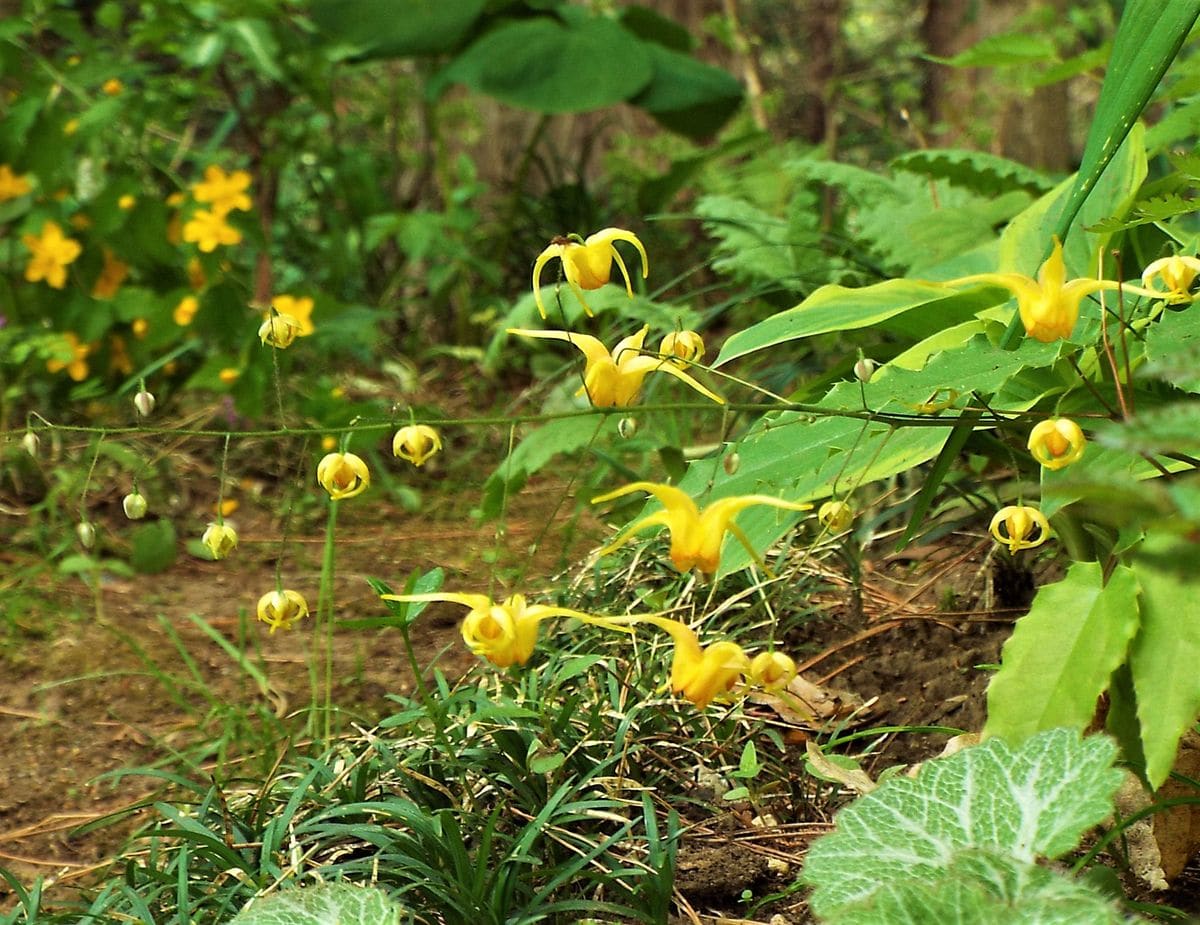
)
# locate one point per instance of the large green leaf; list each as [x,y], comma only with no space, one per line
[1173,349]
[1166,651]
[1020,803]
[836,308]
[322,904]
[688,96]
[552,67]
[1148,38]
[385,28]
[1061,654]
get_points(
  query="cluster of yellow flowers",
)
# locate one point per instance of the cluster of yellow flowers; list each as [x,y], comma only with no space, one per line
[223,193]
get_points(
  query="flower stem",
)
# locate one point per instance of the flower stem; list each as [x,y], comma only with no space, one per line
[323,634]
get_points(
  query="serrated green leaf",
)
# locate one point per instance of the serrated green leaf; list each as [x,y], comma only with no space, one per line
[984,173]
[324,904]
[837,308]
[1061,654]
[1166,650]
[1025,803]
[1173,428]
[1008,49]
[1173,349]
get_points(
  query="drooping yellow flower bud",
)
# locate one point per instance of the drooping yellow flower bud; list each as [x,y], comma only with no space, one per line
[772,670]
[1177,273]
[1019,527]
[682,347]
[587,264]
[134,505]
[143,403]
[1057,442]
[31,443]
[835,516]
[416,443]
[282,609]
[220,539]
[86,533]
[279,331]
[343,475]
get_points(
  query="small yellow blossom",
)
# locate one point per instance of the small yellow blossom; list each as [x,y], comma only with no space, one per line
[772,671]
[835,516]
[140,328]
[51,253]
[227,506]
[225,192]
[76,367]
[587,264]
[112,275]
[126,202]
[186,310]
[80,221]
[682,347]
[504,633]
[209,230]
[329,443]
[282,609]
[279,330]
[299,308]
[12,186]
[1049,305]
[613,380]
[1019,523]
[229,375]
[1176,273]
[696,535]
[416,443]
[112,87]
[1057,442]
[343,475]
[71,127]
[176,199]
[220,539]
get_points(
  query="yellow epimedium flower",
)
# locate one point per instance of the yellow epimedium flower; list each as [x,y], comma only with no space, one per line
[771,671]
[1048,305]
[835,516]
[282,609]
[299,308]
[504,633]
[613,380]
[225,192]
[1057,442]
[700,674]
[51,253]
[279,330]
[76,366]
[587,264]
[682,347]
[1176,273]
[220,539]
[1019,527]
[12,186]
[208,230]
[343,475]
[696,535]
[112,275]
[416,443]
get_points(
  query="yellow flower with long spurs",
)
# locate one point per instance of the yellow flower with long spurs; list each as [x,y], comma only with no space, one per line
[1057,442]
[416,443]
[696,535]
[282,609]
[613,380]
[1176,273]
[587,264]
[1019,527]
[504,633]
[1048,305]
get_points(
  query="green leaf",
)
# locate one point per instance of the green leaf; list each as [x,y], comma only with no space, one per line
[1061,654]
[651,26]
[543,65]
[1166,650]
[976,170]
[379,29]
[1006,50]
[261,49]
[1173,428]
[836,308]
[688,96]
[1148,39]
[1022,804]
[564,435]
[937,473]
[153,547]
[1173,349]
[324,904]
